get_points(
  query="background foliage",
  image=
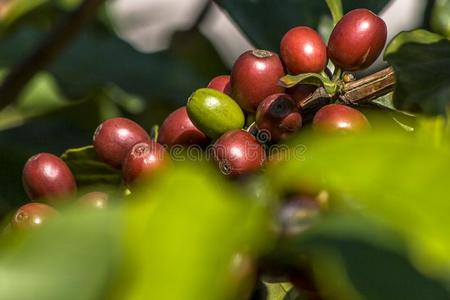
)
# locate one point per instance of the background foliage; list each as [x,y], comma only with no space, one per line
[385,237]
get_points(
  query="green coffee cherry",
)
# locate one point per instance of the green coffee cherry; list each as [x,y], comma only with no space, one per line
[214,113]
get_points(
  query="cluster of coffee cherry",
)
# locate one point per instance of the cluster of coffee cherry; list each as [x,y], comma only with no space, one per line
[229,115]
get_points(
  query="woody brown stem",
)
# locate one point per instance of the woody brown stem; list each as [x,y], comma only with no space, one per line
[370,87]
[355,92]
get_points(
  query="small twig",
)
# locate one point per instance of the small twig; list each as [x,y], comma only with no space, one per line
[47,51]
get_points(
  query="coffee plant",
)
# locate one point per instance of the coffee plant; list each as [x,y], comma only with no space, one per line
[300,173]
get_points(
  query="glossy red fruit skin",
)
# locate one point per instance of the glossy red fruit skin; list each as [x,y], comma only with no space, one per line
[114,138]
[278,114]
[301,92]
[32,215]
[221,83]
[337,118]
[357,40]
[47,176]
[303,50]
[254,77]
[94,200]
[144,159]
[178,129]
[237,152]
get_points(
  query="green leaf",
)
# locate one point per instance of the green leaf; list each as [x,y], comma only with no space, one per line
[44,14]
[440,17]
[419,36]
[80,249]
[405,120]
[386,178]
[309,78]
[385,101]
[355,259]
[13,10]
[433,131]
[278,291]
[87,168]
[39,97]
[336,9]
[42,97]
[421,61]
[253,16]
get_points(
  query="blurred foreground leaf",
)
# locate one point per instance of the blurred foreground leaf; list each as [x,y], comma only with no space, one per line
[74,258]
[395,181]
[354,258]
[183,232]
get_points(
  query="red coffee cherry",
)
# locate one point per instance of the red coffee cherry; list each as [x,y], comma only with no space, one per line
[357,40]
[279,115]
[94,200]
[221,83]
[178,129]
[336,118]
[238,152]
[115,137]
[303,50]
[254,77]
[144,159]
[301,92]
[47,176]
[32,215]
